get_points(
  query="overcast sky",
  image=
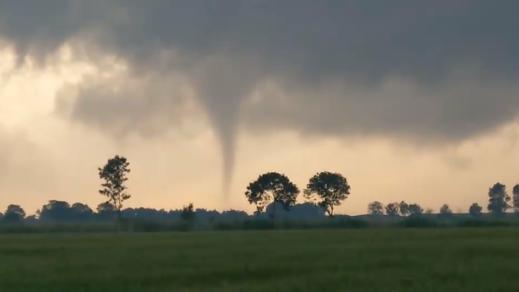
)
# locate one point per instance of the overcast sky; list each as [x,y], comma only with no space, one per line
[410,100]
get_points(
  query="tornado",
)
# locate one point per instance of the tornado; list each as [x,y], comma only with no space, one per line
[222,84]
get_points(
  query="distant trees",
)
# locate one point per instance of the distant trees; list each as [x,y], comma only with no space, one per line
[404,208]
[498,199]
[188,212]
[410,209]
[515,193]
[114,174]
[81,211]
[61,211]
[106,210]
[415,210]
[14,214]
[445,210]
[329,189]
[475,210]
[272,186]
[376,208]
[392,209]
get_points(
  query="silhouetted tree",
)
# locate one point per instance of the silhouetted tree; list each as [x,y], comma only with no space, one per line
[375,208]
[475,210]
[329,188]
[62,211]
[445,210]
[81,211]
[272,186]
[404,208]
[429,211]
[392,209]
[14,214]
[55,211]
[415,210]
[114,174]
[188,213]
[498,199]
[516,198]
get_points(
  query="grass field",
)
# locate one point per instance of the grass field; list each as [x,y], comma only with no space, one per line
[306,260]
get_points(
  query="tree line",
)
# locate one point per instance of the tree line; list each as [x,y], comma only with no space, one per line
[269,192]
[499,202]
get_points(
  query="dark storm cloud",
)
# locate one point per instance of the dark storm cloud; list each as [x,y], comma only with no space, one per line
[368,39]
[442,69]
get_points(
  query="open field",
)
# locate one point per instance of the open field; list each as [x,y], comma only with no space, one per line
[307,260]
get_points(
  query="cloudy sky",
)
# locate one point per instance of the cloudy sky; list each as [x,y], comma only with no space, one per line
[410,100]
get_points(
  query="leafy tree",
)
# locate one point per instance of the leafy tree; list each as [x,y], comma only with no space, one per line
[415,210]
[376,208]
[498,199]
[188,212]
[445,210]
[55,211]
[475,210]
[81,211]
[516,198]
[114,174]
[404,208]
[330,188]
[62,211]
[14,214]
[392,209]
[272,186]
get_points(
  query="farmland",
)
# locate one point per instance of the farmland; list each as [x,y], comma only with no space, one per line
[479,259]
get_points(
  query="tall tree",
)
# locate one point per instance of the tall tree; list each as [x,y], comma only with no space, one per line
[516,198]
[498,199]
[114,174]
[376,208]
[475,210]
[329,188]
[272,186]
[392,209]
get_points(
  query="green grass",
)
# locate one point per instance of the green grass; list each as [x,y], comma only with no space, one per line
[307,260]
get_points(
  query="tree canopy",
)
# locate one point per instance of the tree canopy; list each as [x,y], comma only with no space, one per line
[392,209]
[330,189]
[376,208]
[475,210]
[415,210]
[272,186]
[445,210]
[14,214]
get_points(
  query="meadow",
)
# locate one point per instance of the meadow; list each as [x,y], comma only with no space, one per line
[385,259]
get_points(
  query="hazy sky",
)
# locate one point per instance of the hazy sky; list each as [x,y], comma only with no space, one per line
[410,100]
